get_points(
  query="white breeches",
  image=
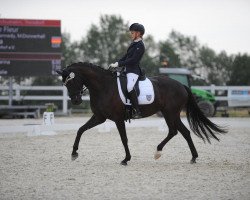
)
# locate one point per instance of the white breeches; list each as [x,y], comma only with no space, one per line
[131,78]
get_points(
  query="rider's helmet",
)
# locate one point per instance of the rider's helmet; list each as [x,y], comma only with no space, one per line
[137,27]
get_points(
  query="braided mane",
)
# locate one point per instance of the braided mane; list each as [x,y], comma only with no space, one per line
[88,64]
[91,65]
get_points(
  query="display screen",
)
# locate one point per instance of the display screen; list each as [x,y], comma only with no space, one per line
[30,47]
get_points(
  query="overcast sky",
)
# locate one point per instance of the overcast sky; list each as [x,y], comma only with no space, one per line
[219,24]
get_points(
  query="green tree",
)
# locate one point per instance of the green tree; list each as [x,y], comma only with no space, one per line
[208,64]
[70,50]
[224,64]
[240,70]
[187,49]
[167,52]
[106,42]
[216,66]
[149,63]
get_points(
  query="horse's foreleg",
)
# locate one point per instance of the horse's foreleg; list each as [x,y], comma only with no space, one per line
[93,121]
[186,134]
[122,131]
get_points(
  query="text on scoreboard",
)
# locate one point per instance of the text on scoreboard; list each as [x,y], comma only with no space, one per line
[30,47]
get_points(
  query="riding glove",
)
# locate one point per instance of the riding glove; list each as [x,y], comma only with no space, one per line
[113,65]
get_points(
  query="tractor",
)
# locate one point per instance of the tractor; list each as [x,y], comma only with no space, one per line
[205,100]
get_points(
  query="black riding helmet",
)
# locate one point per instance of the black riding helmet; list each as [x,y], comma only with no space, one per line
[137,27]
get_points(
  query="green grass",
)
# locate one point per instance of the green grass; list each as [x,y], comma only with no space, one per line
[239,112]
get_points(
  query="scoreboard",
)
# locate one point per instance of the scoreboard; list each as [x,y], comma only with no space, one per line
[30,47]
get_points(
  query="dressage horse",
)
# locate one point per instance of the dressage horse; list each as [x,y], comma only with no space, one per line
[171,97]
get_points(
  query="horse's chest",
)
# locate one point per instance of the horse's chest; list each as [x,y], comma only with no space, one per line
[102,104]
[105,105]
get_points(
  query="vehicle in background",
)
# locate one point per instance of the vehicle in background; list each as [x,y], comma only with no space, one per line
[205,100]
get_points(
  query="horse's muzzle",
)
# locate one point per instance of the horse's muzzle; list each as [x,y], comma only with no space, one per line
[76,100]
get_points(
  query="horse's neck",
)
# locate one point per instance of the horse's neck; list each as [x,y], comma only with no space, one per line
[98,80]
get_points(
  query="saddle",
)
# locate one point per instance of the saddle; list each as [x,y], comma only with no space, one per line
[123,80]
[143,87]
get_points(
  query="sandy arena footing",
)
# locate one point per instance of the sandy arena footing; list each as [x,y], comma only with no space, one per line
[40,167]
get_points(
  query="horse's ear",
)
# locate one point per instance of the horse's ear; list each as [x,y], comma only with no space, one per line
[59,71]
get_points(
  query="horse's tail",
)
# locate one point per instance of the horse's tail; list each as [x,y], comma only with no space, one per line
[198,122]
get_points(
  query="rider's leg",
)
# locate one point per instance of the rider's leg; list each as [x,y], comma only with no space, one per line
[132,78]
[134,102]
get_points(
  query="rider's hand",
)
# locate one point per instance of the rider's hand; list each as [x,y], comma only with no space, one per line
[113,65]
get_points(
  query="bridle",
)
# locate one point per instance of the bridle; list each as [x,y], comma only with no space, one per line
[71,76]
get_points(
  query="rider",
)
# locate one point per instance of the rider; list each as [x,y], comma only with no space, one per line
[131,62]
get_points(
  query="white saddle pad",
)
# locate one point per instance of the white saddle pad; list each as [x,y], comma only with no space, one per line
[146,96]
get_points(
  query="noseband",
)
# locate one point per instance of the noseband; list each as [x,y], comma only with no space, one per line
[80,91]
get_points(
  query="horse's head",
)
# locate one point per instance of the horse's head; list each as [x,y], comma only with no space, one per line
[77,75]
[74,83]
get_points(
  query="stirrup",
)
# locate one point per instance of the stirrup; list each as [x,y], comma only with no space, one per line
[136,115]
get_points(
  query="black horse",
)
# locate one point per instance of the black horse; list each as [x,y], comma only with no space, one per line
[170,98]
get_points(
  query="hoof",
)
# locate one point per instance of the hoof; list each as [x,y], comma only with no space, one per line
[193,160]
[157,155]
[124,163]
[74,156]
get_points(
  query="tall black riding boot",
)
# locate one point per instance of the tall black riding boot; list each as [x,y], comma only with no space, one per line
[134,102]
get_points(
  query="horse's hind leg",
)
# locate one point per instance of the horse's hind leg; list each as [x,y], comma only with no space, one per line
[186,134]
[172,132]
[93,121]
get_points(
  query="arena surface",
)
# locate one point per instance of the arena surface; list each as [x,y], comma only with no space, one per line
[40,167]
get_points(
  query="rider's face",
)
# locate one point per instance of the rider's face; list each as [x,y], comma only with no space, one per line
[134,35]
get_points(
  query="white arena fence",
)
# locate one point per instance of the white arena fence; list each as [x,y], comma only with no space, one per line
[54,129]
[60,127]
[4,90]
[234,95]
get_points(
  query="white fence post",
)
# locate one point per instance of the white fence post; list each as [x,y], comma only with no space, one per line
[65,100]
[213,89]
[18,97]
